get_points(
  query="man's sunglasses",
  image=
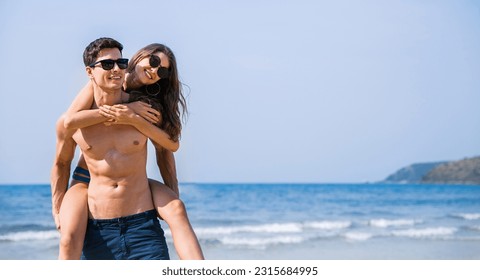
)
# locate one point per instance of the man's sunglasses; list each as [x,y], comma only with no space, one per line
[108,64]
[162,72]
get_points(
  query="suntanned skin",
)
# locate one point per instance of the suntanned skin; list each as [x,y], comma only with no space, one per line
[116,184]
[116,155]
[60,174]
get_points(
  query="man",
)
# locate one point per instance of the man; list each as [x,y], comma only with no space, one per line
[122,224]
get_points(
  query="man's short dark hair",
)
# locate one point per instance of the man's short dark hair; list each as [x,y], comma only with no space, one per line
[91,51]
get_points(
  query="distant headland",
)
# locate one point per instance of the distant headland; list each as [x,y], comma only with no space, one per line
[465,172]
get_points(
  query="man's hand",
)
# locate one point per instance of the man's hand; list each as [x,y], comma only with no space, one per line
[125,114]
[120,114]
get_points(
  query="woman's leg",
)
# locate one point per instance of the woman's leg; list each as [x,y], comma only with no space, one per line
[173,211]
[73,221]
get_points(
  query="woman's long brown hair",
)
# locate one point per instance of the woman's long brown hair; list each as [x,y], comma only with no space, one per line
[169,99]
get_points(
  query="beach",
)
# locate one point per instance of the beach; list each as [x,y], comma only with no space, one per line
[286,221]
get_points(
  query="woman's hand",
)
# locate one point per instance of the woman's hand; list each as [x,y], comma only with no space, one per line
[145,111]
[122,114]
[118,114]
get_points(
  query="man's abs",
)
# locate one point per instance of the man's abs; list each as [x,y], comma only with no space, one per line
[107,201]
[116,157]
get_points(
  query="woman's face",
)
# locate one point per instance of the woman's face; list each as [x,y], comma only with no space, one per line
[145,73]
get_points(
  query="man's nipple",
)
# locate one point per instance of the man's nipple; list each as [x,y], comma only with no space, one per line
[85,147]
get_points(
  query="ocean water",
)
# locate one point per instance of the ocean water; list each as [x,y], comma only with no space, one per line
[286,221]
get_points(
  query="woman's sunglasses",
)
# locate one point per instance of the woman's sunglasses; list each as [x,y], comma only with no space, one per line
[162,72]
[108,64]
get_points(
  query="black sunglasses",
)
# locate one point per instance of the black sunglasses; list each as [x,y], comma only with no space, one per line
[108,64]
[155,61]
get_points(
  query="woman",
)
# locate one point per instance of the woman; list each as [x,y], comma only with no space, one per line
[155,94]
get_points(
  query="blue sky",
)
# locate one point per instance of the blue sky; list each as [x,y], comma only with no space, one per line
[278,91]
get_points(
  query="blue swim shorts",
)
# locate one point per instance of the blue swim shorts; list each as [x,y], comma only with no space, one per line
[135,237]
[81,174]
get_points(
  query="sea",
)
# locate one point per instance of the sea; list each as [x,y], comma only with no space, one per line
[286,221]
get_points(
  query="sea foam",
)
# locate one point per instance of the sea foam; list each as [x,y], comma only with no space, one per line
[30,235]
[329,225]
[425,232]
[263,228]
[274,228]
[357,236]
[261,242]
[384,223]
[468,216]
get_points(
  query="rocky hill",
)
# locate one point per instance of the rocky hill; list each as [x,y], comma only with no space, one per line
[412,173]
[465,171]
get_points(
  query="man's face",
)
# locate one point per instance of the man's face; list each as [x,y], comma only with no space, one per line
[108,80]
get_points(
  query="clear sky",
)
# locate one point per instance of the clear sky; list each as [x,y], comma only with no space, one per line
[278,91]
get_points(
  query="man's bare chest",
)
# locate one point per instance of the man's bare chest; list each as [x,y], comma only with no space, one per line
[98,141]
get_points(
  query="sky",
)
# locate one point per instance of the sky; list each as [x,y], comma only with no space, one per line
[278,91]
